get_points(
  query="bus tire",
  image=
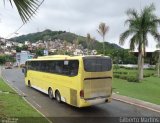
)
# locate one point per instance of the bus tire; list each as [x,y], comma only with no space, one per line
[50,93]
[58,96]
[29,83]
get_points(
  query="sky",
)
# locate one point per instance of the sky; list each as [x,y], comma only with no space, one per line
[76,16]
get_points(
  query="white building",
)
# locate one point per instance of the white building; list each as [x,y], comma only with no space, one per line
[22,57]
[78,52]
[7,53]
[93,52]
[9,44]
[34,44]
[20,44]
[27,42]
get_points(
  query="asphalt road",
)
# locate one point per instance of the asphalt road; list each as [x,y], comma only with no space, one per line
[52,109]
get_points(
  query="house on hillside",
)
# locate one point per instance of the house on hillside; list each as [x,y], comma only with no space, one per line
[27,43]
[9,44]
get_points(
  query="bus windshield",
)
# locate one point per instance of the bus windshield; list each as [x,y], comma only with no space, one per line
[97,64]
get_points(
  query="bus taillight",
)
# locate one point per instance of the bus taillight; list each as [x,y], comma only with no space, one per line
[82,93]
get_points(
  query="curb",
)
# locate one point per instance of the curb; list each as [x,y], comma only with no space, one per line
[136,102]
[23,97]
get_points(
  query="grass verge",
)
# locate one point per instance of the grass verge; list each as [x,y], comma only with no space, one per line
[147,90]
[13,107]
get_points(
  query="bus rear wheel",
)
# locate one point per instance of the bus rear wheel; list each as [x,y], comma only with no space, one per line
[50,93]
[58,96]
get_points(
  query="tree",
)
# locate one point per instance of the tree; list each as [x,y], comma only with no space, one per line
[140,26]
[102,30]
[39,52]
[6,58]
[26,8]
[18,49]
[88,42]
[158,64]
[65,47]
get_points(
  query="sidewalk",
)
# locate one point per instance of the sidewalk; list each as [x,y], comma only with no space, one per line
[136,102]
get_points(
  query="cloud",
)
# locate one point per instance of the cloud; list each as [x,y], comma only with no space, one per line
[80,17]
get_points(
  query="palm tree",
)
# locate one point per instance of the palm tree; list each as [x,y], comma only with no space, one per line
[158,64]
[102,30]
[92,43]
[88,42]
[65,47]
[26,8]
[140,25]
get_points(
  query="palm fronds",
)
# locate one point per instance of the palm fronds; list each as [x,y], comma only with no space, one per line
[26,8]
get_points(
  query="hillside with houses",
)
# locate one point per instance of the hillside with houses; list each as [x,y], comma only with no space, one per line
[56,42]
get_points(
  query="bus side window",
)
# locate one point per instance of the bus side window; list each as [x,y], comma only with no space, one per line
[74,68]
[59,66]
[52,65]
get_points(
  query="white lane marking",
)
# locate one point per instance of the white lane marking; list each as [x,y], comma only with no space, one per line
[37,110]
[36,103]
[131,103]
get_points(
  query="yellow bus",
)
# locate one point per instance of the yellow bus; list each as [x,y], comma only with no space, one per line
[76,80]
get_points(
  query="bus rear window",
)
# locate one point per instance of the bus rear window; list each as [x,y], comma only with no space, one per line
[97,64]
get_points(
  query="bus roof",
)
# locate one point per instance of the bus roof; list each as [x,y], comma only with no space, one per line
[65,57]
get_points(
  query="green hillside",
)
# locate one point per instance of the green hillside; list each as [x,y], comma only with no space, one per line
[63,35]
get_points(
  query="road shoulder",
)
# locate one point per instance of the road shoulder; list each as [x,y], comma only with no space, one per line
[8,93]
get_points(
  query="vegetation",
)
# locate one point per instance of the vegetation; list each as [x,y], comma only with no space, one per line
[13,105]
[88,41]
[129,74]
[19,49]
[6,58]
[158,59]
[26,8]
[140,25]
[102,30]
[33,37]
[148,90]
[66,36]
[39,52]
[122,56]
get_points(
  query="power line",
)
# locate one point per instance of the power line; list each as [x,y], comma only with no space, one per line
[26,21]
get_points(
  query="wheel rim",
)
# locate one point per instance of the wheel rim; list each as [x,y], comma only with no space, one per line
[58,98]
[50,94]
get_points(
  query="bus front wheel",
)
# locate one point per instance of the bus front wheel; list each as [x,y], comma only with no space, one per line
[58,96]
[50,93]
